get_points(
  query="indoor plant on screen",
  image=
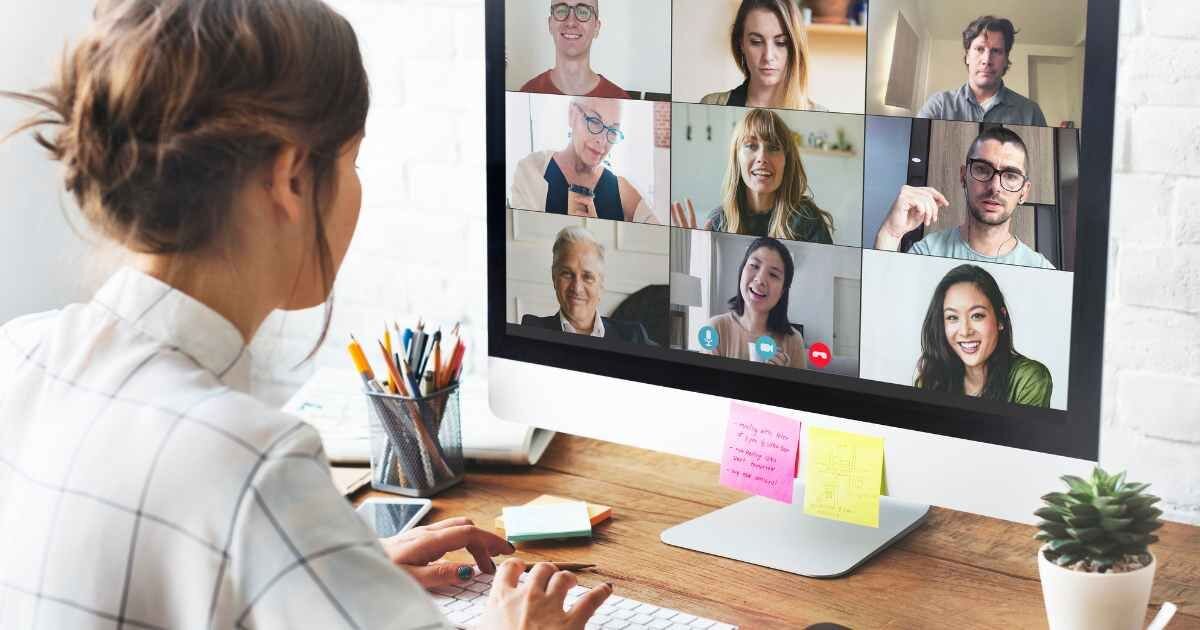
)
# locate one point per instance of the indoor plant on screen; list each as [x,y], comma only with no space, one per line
[1095,565]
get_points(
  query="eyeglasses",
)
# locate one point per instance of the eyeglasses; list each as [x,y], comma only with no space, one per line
[596,126]
[983,171]
[583,12]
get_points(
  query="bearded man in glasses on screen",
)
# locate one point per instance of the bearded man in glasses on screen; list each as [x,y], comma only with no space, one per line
[995,180]
[573,28]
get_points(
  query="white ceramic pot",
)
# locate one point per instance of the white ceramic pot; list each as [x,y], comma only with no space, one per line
[1095,601]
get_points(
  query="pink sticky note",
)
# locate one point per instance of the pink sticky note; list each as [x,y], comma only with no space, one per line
[760,454]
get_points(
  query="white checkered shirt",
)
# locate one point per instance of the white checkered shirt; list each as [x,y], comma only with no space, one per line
[140,487]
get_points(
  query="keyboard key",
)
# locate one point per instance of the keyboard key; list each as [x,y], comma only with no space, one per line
[702,624]
[628,604]
[659,624]
[616,624]
[478,587]
[623,614]
[683,618]
[448,591]
[647,608]
[486,578]
[460,616]
[642,618]
[665,613]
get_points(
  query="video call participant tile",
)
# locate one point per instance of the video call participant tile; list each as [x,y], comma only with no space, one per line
[981,330]
[784,303]
[786,174]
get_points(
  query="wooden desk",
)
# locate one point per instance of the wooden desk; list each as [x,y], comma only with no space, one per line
[957,570]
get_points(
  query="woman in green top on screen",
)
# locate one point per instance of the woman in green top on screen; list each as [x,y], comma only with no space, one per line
[967,344]
[765,190]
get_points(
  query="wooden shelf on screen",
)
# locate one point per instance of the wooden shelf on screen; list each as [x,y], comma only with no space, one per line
[839,153]
[837,30]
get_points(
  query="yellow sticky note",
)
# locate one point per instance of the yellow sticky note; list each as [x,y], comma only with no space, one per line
[843,476]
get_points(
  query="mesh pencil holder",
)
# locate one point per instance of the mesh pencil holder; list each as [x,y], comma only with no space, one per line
[416,443]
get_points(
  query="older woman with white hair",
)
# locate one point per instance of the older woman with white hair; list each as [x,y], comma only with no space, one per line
[575,180]
[578,276]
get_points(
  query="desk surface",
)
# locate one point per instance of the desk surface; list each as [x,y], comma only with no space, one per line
[957,570]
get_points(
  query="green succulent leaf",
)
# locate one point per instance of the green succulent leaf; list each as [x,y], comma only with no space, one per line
[1119,481]
[1077,485]
[1044,536]
[1068,559]
[1100,550]
[1130,538]
[1144,527]
[1057,530]
[1134,504]
[1134,487]
[1060,499]
[1066,545]
[1085,510]
[1081,522]
[1087,535]
[1147,514]
[1115,524]
[1049,514]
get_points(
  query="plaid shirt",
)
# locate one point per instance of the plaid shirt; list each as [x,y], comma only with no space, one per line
[142,488]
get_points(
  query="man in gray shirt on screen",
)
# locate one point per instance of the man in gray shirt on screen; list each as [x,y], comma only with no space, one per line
[987,42]
[995,181]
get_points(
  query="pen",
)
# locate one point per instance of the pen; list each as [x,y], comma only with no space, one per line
[427,351]
[563,566]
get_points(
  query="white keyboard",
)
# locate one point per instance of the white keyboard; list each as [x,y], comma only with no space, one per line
[463,605]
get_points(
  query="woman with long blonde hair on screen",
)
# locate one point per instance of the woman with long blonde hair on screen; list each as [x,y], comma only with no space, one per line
[215,141]
[770,47]
[765,190]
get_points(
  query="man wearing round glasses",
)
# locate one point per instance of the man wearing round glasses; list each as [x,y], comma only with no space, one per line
[575,179]
[573,28]
[995,181]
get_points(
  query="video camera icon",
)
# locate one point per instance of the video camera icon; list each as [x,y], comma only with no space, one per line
[764,348]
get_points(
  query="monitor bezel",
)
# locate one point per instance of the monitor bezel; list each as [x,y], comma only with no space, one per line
[1071,433]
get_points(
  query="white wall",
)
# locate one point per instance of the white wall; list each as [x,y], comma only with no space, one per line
[881,38]
[1152,354]
[44,263]
[633,49]
[896,293]
[703,64]
[700,164]
[635,256]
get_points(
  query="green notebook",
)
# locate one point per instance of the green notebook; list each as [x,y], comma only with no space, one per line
[542,522]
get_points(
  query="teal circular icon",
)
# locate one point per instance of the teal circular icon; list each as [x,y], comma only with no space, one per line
[709,338]
[764,348]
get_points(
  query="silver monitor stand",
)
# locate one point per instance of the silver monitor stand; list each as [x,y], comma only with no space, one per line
[781,536]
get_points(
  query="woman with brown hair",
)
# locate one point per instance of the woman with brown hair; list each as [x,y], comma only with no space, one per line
[215,141]
[770,47]
[765,192]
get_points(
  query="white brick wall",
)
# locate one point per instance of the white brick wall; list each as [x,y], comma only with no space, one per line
[422,166]
[1151,415]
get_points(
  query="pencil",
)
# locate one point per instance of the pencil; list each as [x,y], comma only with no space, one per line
[437,361]
[563,566]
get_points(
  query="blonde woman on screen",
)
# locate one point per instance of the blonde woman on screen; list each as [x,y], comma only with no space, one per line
[765,191]
[770,47]
[215,141]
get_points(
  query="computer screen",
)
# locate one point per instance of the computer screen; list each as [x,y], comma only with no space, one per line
[897,214]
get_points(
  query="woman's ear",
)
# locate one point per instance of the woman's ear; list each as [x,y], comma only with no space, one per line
[288,183]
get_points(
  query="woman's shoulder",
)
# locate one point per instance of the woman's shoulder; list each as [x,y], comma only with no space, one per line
[724,321]
[1023,368]
[715,220]
[536,161]
[716,98]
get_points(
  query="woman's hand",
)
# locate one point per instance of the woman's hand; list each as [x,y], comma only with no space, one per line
[419,549]
[538,603]
[581,205]
[683,218]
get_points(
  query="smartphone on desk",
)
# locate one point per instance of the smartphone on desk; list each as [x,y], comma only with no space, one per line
[392,516]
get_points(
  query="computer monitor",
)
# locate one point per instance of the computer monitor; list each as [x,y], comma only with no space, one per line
[893,224]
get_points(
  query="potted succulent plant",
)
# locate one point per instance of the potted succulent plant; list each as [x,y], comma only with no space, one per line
[829,11]
[1095,565]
